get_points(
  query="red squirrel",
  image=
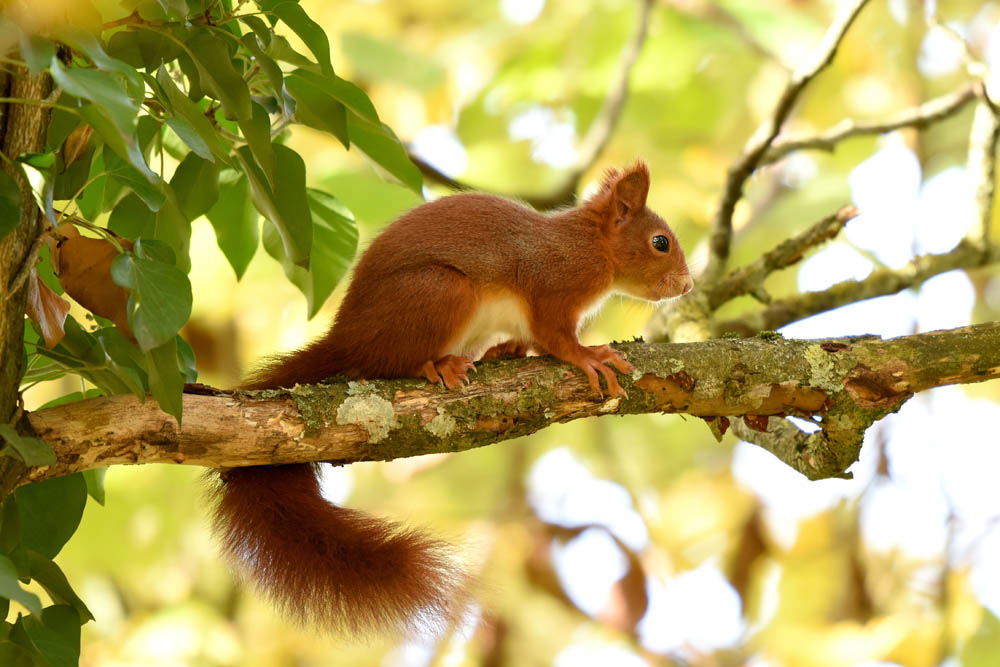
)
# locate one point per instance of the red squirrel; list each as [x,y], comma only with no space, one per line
[429,296]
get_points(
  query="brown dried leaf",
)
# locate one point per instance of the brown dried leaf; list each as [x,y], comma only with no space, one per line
[85,274]
[64,231]
[76,144]
[47,309]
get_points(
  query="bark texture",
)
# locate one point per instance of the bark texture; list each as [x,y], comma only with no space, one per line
[22,130]
[843,384]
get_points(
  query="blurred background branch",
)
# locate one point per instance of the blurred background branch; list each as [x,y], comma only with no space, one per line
[591,145]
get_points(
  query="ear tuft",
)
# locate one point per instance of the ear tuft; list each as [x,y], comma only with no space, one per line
[632,186]
[621,192]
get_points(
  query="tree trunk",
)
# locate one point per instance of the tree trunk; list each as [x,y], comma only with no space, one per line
[22,130]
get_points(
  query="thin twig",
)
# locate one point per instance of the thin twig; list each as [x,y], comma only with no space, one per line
[880,283]
[981,166]
[750,278]
[24,270]
[722,224]
[718,14]
[926,114]
[607,118]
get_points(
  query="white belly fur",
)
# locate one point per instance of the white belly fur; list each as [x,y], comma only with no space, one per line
[498,318]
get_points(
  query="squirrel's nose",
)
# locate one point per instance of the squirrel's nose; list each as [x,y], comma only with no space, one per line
[687,284]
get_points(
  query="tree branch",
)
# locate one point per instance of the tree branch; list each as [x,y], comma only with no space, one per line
[848,382]
[966,254]
[921,116]
[981,165]
[720,238]
[749,279]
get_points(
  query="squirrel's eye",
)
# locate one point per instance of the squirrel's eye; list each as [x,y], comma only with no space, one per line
[661,243]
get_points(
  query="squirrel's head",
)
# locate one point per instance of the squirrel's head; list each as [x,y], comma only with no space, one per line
[649,262]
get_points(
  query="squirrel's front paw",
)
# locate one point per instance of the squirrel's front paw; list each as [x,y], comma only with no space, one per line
[451,371]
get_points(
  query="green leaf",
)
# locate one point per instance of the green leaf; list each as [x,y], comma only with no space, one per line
[10,527]
[37,52]
[316,107]
[60,126]
[173,229]
[335,240]
[218,74]
[14,655]
[186,360]
[51,578]
[270,68]
[189,111]
[280,49]
[235,220]
[84,41]
[71,397]
[68,181]
[10,204]
[40,161]
[166,382]
[123,360]
[124,145]
[131,218]
[161,292]
[308,31]
[257,131]
[193,74]
[285,206]
[95,483]
[10,587]
[56,635]
[147,49]
[176,8]
[259,28]
[47,273]
[37,169]
[128,175]
[19,637]
[196,184]
[189,136]
[50,511]
[32,451]
[353,97]
[79,352]
[100,88]
[379,143]
[91,202]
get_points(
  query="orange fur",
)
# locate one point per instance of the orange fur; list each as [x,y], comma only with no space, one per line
[415,291]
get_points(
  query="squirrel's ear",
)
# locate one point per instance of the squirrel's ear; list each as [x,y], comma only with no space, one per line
[621,194]
[630,189]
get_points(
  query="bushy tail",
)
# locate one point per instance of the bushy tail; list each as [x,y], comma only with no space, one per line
[330,566]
